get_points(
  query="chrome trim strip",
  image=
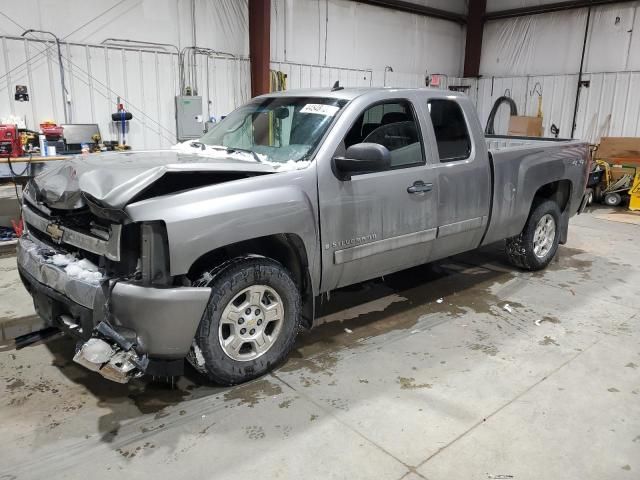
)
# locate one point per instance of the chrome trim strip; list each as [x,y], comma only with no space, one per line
[460,227]
[108,248]
[380,246]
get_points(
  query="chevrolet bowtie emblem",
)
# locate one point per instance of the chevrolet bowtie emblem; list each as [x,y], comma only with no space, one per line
[55,232]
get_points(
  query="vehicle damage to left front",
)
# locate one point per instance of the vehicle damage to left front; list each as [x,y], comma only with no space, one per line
[96,274]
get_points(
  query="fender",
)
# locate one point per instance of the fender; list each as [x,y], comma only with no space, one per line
[204,219]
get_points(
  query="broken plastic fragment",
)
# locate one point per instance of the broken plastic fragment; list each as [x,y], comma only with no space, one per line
[440,300]
[60,260]
[348,330]
[508,308]
[538,322]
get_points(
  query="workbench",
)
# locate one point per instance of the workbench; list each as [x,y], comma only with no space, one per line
[25,168]
[9,204]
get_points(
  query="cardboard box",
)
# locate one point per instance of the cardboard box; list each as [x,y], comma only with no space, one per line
[618,148]
[525,126]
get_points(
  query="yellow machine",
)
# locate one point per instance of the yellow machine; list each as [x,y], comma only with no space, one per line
[634,192]
[619,180]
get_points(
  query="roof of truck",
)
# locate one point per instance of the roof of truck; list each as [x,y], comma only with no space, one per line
[351,93]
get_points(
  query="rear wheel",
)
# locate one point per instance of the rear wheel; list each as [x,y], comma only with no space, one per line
[537,244]
[250,323]
[612,199]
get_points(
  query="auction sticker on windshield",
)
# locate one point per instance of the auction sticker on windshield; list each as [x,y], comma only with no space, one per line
[320,109]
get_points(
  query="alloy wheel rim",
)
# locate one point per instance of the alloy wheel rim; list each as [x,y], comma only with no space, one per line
[250,323]
[544,236]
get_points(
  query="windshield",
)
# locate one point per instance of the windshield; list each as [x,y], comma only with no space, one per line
[281,128]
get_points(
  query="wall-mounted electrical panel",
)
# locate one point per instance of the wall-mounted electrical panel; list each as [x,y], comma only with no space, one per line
[189,120]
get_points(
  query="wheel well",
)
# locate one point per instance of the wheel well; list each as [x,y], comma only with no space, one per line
[559,192]
[287,249]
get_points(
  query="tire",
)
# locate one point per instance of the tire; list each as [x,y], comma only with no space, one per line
[612,199]
[235,288]
[524,250]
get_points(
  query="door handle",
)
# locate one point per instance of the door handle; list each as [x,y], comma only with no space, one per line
[420,187]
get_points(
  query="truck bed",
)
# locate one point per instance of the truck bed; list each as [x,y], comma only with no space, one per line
[520,165]
[501,142]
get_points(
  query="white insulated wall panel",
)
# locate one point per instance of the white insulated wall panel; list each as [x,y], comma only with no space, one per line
[608,107]
[341,33]
[551,43]
[146,81]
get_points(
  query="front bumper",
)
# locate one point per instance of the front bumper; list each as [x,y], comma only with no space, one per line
[162,320]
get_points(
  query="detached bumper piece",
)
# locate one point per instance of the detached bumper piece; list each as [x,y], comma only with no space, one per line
[111,355]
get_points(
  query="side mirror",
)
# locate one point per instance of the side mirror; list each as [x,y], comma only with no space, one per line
[362,158]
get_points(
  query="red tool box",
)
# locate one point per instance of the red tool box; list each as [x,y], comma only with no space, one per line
[10,143]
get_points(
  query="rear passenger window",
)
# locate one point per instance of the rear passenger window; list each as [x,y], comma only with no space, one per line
[393,125]
[452,135]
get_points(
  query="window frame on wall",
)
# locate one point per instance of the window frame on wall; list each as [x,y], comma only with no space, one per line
[463,118]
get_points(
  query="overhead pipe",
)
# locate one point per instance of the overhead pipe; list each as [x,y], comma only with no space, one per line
[579,87]
[193,51]
[107,42]
[65,93]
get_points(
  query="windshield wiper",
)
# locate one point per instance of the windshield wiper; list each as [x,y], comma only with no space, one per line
[229,149]
[245,150]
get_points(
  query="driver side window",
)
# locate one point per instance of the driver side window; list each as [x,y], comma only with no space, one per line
[393,125]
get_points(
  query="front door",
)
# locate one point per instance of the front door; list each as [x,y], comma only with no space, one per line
[381,222]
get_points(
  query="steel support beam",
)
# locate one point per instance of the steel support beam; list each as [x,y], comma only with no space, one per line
[410,7]
[473,46]
[259,45]
[549,7]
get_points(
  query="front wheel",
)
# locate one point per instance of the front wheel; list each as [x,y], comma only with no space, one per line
[612,199]
[537,244]
[250,323]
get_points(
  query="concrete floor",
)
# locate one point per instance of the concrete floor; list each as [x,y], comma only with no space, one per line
[462,389]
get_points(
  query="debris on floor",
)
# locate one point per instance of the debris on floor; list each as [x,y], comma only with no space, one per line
[6,234]
[440,300]
[507,308]
[348,330]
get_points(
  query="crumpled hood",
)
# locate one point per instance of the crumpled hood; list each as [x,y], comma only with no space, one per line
[113,179]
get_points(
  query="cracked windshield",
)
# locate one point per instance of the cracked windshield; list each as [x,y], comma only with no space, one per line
[280,130]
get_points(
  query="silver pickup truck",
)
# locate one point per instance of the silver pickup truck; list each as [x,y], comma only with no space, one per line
[216,250]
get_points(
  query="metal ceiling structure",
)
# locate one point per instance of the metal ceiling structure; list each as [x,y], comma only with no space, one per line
[415,8]
[419,9]
[548,8]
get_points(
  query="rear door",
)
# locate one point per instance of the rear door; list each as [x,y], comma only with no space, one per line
[381,222]
[463,175]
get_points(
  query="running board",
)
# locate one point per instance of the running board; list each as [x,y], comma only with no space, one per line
[34,337]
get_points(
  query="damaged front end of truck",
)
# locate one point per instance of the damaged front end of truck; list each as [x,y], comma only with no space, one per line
[98,275]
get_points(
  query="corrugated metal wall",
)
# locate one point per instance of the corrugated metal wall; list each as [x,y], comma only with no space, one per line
[519,52]
[300,75]
[146,81]
[608,107]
